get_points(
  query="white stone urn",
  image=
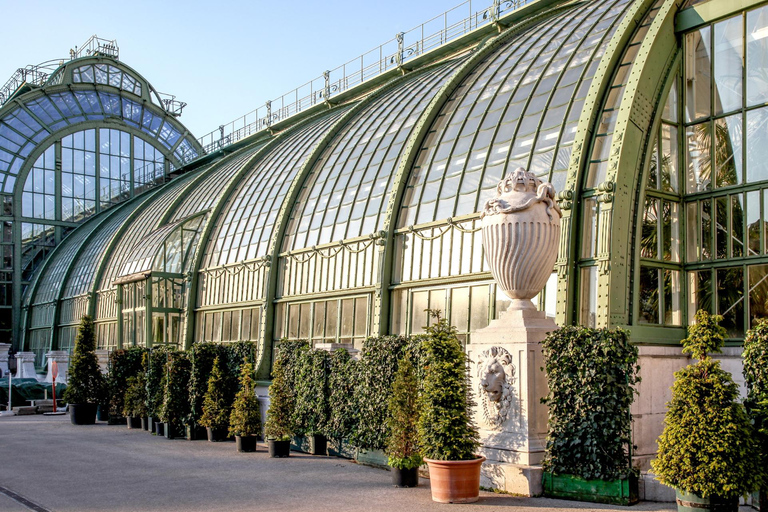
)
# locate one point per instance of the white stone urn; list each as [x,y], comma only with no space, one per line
[521,232]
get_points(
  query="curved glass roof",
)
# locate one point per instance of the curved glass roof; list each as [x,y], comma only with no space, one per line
[347,192]
[245,227]
[519,108]
[27,120]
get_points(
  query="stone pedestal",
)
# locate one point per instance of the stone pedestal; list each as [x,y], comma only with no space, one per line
[62,359]
[508,384]
[26,365]
[4,358]
[102,355]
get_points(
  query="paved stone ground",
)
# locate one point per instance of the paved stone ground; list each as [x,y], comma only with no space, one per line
[61,467]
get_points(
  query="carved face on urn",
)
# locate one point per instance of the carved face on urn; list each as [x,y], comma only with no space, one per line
[496,373]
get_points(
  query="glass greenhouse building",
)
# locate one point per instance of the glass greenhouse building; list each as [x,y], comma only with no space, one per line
[348,212]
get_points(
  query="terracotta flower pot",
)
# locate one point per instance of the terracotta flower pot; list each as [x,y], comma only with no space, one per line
[455,481]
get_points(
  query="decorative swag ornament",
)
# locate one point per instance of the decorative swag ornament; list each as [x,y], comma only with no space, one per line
[521,232]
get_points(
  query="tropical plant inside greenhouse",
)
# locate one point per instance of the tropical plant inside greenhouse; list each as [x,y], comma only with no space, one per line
[86,384]
[245,418]
[216,404]
[708,449]
[591,375]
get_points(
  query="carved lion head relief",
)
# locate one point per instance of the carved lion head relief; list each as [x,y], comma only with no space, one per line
[496,377]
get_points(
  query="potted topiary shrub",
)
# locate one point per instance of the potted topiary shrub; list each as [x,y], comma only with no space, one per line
[707,449]
[342,407]
[403,417]
[756,377]
[176,394]
[279,425]
[590,375]
[447,434]
[201,356]
[245,419]
[135,408]
[123,364]
[311,409]
[216,406]
[156,361]
[86,383]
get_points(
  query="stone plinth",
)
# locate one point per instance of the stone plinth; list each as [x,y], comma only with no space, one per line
[62,360]
[4,358]
[26,365]
[508,383]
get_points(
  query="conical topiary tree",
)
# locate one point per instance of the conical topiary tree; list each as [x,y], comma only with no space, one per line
[403,418]
[279,424]
[446,429]
[86,383]
[245,419]
[707,447]
[216,405]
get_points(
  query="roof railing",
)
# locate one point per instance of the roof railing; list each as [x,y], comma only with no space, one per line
[405,46]
[96,45]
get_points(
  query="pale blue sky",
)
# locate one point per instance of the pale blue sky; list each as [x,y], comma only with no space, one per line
[222,59]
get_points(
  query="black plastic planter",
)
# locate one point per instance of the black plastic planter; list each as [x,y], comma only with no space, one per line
[102,413]
[144,423]
[196,433]
[217,434]
[160,428]
[279,449]
[318,444]
[133,421]
[405,477]
[82,414]
[246,444]
[689,502]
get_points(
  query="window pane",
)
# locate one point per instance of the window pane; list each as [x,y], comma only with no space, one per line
[361,316]
[478,317]
[671,230]
[729,54]
[319,321]
[698,161]
[649,296]
[757,145]
[753,223]
[730,295]
[589,236]
[758,293]
[331,319]
[460,308]
[721,226]
[737,225]
[706,229]
[649,241]
[728,152]
[692,230]
[698,74]
[673,313]
[757,56]
[588,297]
[699,293]
[669,158]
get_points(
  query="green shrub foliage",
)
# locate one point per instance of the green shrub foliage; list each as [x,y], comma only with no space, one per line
[135,397]
[238,354]
[756,376]
[176,394]
[446,430]
[378,364]
[123,364]
[245,419]
[86,384]
[402,444]
[342,409]
[704,336]
[201,357]
[591,374]
[279,424]
[216,405]
[158,358]
[707,446]
[311,387]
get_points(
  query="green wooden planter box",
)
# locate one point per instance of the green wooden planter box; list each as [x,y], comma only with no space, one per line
[376,458]
[341,448]
[570,487]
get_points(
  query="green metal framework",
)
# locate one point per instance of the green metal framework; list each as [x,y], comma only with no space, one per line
[350,219]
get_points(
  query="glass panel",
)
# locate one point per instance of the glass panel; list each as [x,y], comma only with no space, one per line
[331,319]
[478,317]
[698,160]
[460,308]
[730,295]
[692,231]
[758,293]
[420,302]
[649,296]
[721,228]
[671,105]
[753,223]
[361,316]
[669,158]
[304,320]
[588,297]
[550,296]
[673,312]
[706,229]
[697,74]
[757,145]
[757,56]
[729,55]
[737,226]
[319,320]
[699,293]
[671,231]
[589,235]
[728,153]
[347,317]
[649,242]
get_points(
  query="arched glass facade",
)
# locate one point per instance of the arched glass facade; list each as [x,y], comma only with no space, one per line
[350,220]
